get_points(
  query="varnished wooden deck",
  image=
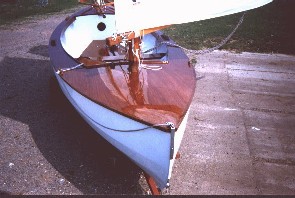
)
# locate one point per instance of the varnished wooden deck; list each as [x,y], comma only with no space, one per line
[150,97]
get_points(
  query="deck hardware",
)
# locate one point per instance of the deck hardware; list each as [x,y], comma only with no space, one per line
[101,26]
[172,134]
[53,43]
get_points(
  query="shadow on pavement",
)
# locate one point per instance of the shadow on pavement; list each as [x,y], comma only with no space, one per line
[40,50]
[31,95]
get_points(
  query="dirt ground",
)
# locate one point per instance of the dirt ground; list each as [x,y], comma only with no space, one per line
[240,137]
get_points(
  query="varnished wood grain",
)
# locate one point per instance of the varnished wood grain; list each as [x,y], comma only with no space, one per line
[150,97]
[131,35]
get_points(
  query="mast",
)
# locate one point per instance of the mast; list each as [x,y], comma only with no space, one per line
[134,54]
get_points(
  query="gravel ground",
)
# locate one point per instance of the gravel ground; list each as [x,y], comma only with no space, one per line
[46,147]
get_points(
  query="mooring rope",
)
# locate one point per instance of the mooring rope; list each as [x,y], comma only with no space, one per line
[189,51]
[223,42]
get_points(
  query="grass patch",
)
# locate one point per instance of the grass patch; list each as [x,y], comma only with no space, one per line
[269,29]
[11,10]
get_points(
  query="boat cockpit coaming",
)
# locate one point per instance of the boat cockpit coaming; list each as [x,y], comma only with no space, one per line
[85,39]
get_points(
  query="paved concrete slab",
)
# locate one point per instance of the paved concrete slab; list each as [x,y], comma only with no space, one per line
[240,138]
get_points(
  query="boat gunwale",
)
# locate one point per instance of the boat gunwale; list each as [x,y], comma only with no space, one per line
[55,38]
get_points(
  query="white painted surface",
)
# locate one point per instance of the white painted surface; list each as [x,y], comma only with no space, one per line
[83,31]
[149,149]
[144,14]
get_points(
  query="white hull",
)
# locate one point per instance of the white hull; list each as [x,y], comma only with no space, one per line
[153,150]
[149,149]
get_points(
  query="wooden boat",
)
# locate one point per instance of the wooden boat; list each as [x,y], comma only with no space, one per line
[131,85]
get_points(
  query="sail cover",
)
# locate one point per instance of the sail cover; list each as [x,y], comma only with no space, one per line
[135,15]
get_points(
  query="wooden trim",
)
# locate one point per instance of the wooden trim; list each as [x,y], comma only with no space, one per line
[165,95]
[131,35]
[152,184]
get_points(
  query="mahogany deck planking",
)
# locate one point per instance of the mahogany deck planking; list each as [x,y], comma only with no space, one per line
[150,97]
